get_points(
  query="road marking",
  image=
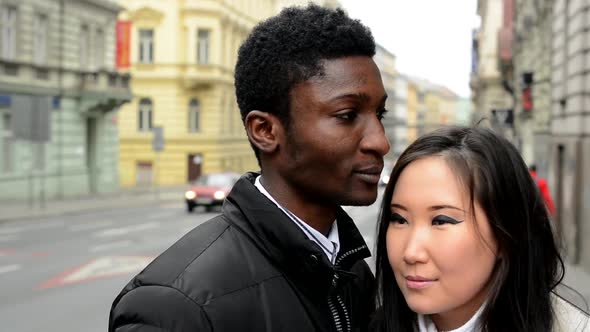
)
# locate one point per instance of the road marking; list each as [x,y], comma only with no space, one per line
[20,229]
[126,230]
[112,245]
[9,268]
[102,267]
[87,227]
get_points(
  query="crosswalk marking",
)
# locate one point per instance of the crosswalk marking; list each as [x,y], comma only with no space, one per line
[9,268]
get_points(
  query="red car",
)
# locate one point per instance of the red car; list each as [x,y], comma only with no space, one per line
[210,190]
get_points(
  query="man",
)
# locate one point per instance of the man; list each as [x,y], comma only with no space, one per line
[543,188]
[283,255]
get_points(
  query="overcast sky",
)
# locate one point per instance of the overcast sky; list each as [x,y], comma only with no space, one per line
[431,39]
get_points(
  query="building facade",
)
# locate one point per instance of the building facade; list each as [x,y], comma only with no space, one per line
[488,93]
[182,58]
[412,99]
[569,148]
[400,116]
[385,61]
[543,47]
[59,93]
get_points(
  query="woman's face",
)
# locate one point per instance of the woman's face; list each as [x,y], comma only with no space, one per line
[441,259]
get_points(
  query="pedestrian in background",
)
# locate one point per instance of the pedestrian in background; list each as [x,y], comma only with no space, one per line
[543,188]
[283,255]
[463,244]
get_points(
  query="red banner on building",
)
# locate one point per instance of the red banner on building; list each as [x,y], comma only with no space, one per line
[123,44]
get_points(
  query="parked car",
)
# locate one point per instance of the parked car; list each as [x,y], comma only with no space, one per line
[210,190]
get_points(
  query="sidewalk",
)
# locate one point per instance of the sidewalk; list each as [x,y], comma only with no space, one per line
[15,210]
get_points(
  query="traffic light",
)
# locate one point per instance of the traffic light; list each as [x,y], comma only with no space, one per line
[527,92]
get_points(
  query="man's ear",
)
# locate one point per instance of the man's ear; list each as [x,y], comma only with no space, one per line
[264,130]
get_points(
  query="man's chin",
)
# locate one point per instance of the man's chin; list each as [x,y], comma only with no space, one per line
[360,201]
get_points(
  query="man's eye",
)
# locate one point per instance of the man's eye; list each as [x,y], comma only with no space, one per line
[381,113]
[397,219]
[347,116]
[441,220]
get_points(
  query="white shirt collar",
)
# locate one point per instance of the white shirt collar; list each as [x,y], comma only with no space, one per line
[330,244]
[425,324]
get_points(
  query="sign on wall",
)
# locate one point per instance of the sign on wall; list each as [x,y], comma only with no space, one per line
[32,117]
[123,44]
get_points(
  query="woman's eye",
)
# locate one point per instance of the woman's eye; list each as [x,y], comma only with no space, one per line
[397,219]
[441,220]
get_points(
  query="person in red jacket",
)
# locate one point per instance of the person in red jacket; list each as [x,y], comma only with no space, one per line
[543,188]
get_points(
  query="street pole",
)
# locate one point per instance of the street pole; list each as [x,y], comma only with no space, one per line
[158,175]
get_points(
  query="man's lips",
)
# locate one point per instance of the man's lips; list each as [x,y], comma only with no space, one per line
[369,174]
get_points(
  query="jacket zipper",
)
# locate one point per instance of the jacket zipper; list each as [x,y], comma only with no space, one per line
[348,253]
[335,315]
[346,317]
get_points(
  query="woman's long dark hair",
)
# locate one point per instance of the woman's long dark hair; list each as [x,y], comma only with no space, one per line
[497,178]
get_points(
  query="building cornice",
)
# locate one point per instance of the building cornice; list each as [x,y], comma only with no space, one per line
[105,4]
[146,14]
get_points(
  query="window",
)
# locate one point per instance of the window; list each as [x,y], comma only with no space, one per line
[84,52]
[8,33]
[145,115]
[194,110]
[7,142]
[202,47]
[146,46]
[99,48]
[40,39]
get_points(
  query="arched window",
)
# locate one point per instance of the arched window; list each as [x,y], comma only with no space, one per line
[194,116]
[145,113]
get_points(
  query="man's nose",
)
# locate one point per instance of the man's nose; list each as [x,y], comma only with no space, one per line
[374,139]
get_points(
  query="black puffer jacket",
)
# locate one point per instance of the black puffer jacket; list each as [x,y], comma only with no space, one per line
[250,269]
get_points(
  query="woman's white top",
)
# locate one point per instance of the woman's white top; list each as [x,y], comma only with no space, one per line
[425,324]
[568,318]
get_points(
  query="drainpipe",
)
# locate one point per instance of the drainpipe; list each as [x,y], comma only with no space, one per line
[60,193]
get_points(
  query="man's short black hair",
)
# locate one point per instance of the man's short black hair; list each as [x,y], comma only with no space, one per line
[287,49]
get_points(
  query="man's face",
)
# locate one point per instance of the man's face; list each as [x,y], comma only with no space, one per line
[336,143]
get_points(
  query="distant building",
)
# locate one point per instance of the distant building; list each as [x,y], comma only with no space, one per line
[59,96]
[431,106]
[400,117]
[488,92]
[385,60]
[182,56]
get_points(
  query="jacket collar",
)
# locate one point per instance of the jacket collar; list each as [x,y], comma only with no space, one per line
[281,240]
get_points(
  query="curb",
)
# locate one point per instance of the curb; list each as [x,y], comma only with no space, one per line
[111,203]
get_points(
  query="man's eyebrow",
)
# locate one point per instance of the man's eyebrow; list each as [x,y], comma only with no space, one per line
[361,96]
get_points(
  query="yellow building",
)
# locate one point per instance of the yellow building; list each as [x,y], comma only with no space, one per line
[182,57]
[448,108]
[433,109]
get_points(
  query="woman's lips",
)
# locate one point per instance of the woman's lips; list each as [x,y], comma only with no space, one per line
[417,282]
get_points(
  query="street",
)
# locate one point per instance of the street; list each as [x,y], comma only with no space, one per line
[62,273]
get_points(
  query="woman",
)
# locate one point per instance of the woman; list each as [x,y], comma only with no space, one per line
[465,243]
